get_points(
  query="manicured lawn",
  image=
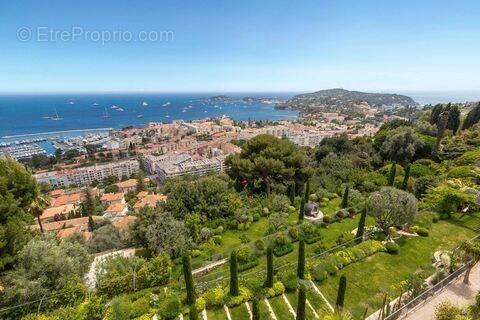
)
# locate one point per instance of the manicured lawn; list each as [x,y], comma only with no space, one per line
[240,312]
[280,308]
[216,314]
[264,313]
[368,278]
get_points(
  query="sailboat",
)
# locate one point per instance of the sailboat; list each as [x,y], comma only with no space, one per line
[166,104]
[95,104]
[56,118]
[145,104]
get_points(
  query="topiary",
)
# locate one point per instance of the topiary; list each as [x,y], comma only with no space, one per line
[392,247]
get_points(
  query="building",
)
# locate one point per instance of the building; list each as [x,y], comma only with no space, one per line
[127,186]
[116,210]
[62,211]
[165,170]
[110,198]
[64,224]
[149,200]
[87,175]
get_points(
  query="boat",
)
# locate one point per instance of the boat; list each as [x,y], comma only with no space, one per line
[120,109]
[114,107]
[95,104]
[145,104]
[167,116]
[71,102]
[56,118]
[166,104]
[140,116]
[105,114]
[46,117]
[184,110]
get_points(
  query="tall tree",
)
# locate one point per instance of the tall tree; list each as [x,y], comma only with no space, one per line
[301,260]
[361,226]
[91,224]
[342,287]
[471,254]
[292,193]
[400,145]
[187,274]
[435,115]
[441,126]
[391,175]
[89,206]
[345,197]
[233,274]
[269,280]
[453,118]
[255,310]
[301,211]
[473,116]
[307,191]
[140,176]
[406,177]
[302,299]
[36,208]
[193,312]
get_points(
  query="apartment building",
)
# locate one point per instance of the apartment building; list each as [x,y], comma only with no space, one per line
[87,175]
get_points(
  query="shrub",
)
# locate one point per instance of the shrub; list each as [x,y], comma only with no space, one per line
[205,234]
[392,247]
[320,247]
[256,216]
[243,296]
[289,280]
[319,273]
[196,253]
[218,230]
[309,232]
[260,245]
[293,233]
[214,297]
[330,268]
[341,214]
[422,232]
[447,311]
[345,237]
[277,289]
[217,240]
[244,239]
[282,245]
[170,308]
[155,272]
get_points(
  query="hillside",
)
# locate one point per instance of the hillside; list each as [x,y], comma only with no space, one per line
[344,101]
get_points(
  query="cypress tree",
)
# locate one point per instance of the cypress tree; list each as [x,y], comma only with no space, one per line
[187,274]
[302,297]
[307,191]
[193,314]
[391,177]
[88,205]
[255,310]
[342,287]
[301,260]
[361,226]
[233,274]
[472,117]
[269,280]
[301,211]
[406,177]
[292,193]
[91,224]
[345,197]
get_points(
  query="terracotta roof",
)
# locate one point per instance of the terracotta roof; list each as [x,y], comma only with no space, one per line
[150,201]
[142,194]
[56,193]
[67,232]
[124,221]
[108,197]
[57,225]
[130,183]
[63,209]
[66,199]
[116,207]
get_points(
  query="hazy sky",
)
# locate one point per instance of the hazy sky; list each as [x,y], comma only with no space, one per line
[238,45]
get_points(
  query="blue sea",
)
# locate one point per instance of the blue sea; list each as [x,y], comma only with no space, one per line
[34,114]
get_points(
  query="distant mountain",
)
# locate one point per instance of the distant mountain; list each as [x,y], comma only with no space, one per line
[338,100]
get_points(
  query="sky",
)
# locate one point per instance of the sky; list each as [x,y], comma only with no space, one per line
[238,46]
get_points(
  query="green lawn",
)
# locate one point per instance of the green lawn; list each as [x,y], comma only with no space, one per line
[280,308]
[240,312]
[368,278]
[216,314]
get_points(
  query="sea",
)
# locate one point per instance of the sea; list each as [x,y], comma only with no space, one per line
[53,116]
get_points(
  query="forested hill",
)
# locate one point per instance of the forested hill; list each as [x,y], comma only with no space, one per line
[332,99]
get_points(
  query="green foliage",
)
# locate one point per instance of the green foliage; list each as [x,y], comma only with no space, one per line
[401,144]
[472,117]
[309,232]
[301,260]
[447,199]
[391,207]
[282,244]
[105,238]
[302,298]
[345,198]
[155,272]
[391,175]
[115,275]
[423,232]
[301,211]
[447,311]
[392,247]
[289,280]
[469,158]
[170,308]
[234,291]
[406,177]
[269,279]
[361,226]
[266,161]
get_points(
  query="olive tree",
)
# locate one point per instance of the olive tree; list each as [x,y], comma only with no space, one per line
[391,207]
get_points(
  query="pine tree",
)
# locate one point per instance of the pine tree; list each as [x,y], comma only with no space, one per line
[91,224]
[187,274]
[88,205]
[345,197]
[193,314]
[302,298]
[361,226]
[233,274]
[391,177]
[301,211]
[255,310]
[342,287]
[307,191]
[301,260]
[140,181]
[269,280]
[292,193]
[406,177]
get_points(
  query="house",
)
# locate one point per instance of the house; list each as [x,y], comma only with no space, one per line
[142,194]
[127,186]
[123,222]
[62,211]
[67,232]
[149,200]
[116,210]
[110,198]
[73,198]
[64,224]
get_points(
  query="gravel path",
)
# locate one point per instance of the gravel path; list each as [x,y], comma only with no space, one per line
[456,292]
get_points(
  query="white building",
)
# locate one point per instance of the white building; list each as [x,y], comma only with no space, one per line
[87,175]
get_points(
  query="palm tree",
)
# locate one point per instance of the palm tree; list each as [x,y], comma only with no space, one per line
[36,208]
[470,254]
